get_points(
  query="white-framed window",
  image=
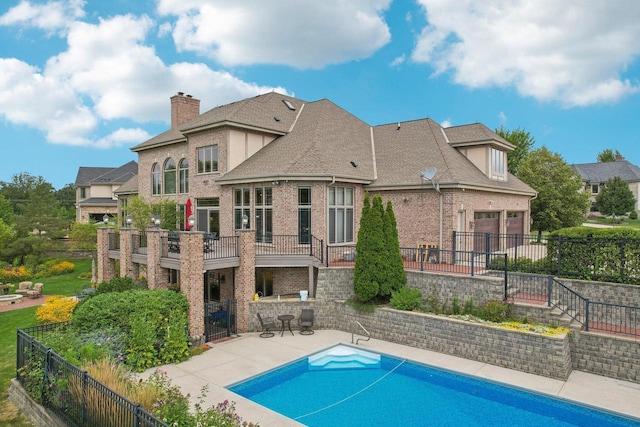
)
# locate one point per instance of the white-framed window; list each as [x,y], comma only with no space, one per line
[169,176]
[340,214]
[263,214]
[156,179]
[595,188]
[208,159]
[183,176]
[498,169]
[241,207]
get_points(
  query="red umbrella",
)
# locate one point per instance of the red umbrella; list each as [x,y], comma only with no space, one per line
[187,215]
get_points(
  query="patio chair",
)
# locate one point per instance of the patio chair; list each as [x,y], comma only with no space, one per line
[36,291]
[24,287]
[305,321]
[267,327]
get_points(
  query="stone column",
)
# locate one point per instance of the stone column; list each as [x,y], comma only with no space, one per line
[126,263]
[156,279]
[106,266]
[192,278]
[245,277]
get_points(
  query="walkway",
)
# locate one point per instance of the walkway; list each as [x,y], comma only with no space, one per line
[240,358]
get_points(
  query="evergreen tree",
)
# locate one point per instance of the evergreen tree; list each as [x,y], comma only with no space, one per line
[396,277]
[365,285]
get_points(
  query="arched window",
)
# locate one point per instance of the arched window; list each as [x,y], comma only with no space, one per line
[156,183]
[169,176]
[183,177]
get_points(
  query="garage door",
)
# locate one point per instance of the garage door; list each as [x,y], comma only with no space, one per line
[486,222]
[515,226]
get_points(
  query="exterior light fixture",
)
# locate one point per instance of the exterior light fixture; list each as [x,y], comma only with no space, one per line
[105,219]
[245,221]
[156,220]
[129,220]
[192,222]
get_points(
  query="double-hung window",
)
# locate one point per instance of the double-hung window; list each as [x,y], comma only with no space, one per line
[264,214]
[169,176]
[208,159]
[497,164]
[241,207]
[340,215]
[156,179]
[183,176]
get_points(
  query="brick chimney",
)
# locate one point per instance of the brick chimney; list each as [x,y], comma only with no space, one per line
[183,109]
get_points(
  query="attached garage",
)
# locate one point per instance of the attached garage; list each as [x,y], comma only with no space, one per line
[486,223]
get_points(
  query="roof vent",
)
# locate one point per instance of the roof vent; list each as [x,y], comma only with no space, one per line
[276,118]
[354,164]
[289,105]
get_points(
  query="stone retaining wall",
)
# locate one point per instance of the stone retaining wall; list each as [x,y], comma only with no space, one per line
[555,357]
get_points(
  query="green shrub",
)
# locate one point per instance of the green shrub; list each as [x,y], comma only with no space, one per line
[633,215]
[495,311]
[406,299]
[119,284]
[175,347]
[141,351]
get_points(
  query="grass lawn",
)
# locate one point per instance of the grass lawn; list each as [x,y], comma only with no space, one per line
[10,321]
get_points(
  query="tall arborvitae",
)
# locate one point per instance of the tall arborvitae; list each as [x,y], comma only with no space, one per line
[365,284]
[396,277]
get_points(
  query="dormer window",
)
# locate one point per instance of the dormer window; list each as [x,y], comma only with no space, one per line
[498,167]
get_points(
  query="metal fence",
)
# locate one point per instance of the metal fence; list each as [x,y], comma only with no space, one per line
[72,394]
[220,247]
[290,245]
[594,316]
[139,242]
[113,241]
[220,319]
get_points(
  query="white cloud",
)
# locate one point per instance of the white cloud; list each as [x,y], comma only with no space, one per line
[107,73]
[54,15]
[573,52]
[502,117]
[398,61]
[289,32]
[446,123]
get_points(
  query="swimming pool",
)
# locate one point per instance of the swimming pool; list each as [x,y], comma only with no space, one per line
[333,389]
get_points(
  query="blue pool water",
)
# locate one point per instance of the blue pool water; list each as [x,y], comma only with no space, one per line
[353,391]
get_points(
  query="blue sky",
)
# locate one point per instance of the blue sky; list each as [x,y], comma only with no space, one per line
[83,81]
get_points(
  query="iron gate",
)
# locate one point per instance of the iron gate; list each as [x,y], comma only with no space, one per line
[219,319]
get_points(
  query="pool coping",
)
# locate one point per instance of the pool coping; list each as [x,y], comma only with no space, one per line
[246,356]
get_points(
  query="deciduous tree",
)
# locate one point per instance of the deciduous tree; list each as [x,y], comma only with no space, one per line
[608,155]
[616,198]
[523,142]
[560,202]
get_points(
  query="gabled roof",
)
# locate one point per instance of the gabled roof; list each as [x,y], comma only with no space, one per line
[129,187]
[103,175]
[98,201]
[267,112]
[473,134]
[323,144]
[603,171]
[404,151]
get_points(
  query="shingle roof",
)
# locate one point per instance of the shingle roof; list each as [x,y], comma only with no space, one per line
[98,201]
[129,187]
[402,153]
[603,171]
[474,133]
[103,175]
[325,140]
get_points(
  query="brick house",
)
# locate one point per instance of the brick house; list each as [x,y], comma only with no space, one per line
[96,188]
[595,175]
[275,171]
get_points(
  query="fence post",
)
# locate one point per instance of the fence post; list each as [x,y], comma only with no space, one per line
[473,257]
[506,278]
[487,248]
[623,276]
[422,258]
[515,254]
[454,244]
[321,251]
[83,406]
[549,290]
[327,260]
[559,255]
[586,322]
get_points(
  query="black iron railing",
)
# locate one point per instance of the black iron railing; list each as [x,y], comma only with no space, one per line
[71,393]
[221,247]
[139,242]
[593,316]
[290,245]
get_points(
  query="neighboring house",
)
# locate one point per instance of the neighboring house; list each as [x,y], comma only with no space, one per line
[292,170]
[95,190]
[595,175]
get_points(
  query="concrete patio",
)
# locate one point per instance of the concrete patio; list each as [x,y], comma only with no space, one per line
[243,357]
